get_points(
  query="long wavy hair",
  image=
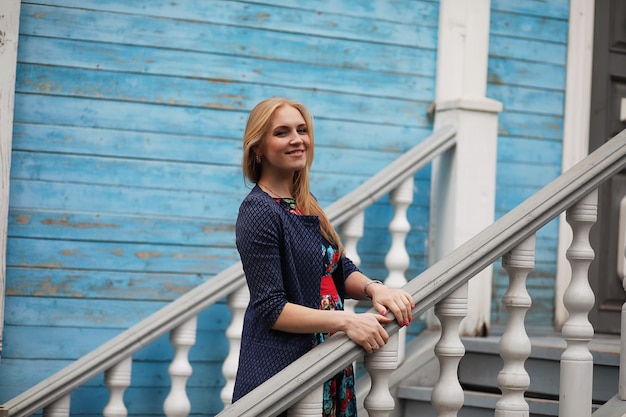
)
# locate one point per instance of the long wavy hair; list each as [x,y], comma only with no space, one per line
[257,128]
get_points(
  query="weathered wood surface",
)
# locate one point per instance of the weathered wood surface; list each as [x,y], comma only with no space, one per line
[126,177]
[9,35]
[527,74]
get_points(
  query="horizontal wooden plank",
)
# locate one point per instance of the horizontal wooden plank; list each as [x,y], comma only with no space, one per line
[395,11]
[99,199]
[557,9]
[528,50]
[162,119]
[225,68]
[152,145]
[518,26]
[176,176]
[526,73]
[528,150]
[115,256]
[525,174]
[49,224]
[165,93]
[126,144]
[94,283]
[230,26]
[119,228]
[139,173]
[139,201]
[57,343]
[267,14]
[104,314]
[528,100]
[524,125]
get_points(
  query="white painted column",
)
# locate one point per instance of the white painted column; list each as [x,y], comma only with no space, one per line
[9,33]
[463,180]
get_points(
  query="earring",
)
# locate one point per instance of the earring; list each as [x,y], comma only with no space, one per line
[257,158]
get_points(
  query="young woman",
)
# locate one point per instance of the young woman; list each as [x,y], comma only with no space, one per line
[294,262]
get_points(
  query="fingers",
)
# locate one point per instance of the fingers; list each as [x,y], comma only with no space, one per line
[377,342]
[399,303]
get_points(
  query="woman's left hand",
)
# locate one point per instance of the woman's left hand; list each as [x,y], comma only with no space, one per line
[397,301]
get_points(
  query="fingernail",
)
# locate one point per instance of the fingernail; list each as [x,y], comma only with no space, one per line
[384,312]
[412,306]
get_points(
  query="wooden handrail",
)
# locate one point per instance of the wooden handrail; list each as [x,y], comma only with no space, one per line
[214,289]
[295,381]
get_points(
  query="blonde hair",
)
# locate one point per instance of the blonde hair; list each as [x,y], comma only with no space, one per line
[257,127]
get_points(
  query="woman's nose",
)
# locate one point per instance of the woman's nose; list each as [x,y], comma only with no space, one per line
[295,137]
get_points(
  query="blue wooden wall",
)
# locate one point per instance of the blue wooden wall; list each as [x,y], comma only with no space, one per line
[126,178]
[527,58]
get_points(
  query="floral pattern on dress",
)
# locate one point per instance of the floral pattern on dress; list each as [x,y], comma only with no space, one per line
[339,399]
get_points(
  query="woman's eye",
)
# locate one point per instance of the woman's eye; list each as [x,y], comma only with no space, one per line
[302,130]
[280,133]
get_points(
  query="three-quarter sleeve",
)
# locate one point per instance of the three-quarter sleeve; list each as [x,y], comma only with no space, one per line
[258,237]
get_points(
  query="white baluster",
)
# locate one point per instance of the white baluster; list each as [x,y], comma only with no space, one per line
[515,347]
[59,408]
[351,232]
[447,396]
[117,379]
[309,406]
[397,259]
[237,303]
[380,365]
[182,338]
[576,360]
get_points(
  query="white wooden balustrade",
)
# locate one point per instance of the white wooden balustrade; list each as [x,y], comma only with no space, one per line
[513,380]
[397,259]
[380,365]
[177,403]
[117,379]
[576,360]
[237,303]
[447,394]
[59,408]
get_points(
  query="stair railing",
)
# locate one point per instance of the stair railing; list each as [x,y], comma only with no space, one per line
[443,284]
[114,358]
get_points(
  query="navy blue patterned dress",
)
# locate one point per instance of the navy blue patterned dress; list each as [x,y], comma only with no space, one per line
[339,398]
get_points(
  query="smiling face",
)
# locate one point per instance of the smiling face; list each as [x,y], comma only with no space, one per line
[285,145]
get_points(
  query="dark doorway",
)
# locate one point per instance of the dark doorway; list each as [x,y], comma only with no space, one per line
[608,105]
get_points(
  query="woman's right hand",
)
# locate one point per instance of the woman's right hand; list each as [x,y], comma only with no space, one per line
[366,330]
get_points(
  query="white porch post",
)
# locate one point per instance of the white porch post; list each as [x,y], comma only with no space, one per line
[463,180]
[9,32]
